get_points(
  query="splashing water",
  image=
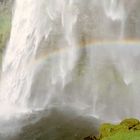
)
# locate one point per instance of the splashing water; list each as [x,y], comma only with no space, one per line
[67,53]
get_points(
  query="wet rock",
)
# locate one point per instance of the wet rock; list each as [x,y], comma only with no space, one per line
[90,138]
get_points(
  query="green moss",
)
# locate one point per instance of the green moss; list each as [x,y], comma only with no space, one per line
[107,130]
[124,136]
[128,129]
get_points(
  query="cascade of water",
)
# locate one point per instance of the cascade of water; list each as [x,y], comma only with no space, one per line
[33,36]
[114,9]
[53,59]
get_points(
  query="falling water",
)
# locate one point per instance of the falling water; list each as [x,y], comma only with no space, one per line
[73,54]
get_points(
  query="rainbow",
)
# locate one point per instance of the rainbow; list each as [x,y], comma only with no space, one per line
[114,42]
[90,43]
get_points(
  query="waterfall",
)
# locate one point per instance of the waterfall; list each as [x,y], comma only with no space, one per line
[78,54]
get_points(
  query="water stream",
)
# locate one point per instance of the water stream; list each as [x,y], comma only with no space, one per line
[80,55]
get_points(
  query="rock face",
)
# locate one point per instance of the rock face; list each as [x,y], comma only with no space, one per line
[128,129]
[5,22]
[4,1]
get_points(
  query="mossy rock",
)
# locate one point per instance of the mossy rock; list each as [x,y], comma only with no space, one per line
[130,123]
[128,129]
[106,130]
[137,127]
